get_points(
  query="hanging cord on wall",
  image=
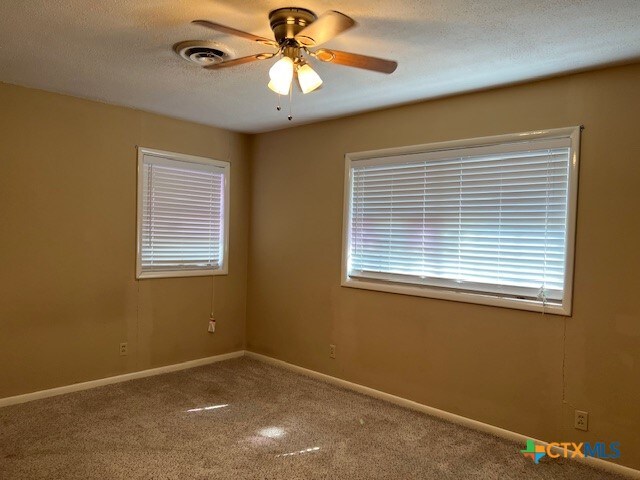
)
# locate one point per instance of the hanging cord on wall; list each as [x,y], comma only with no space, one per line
[212,317]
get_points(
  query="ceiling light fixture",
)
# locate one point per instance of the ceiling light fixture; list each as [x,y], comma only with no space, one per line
[308,79]
[282,73]
[292,65]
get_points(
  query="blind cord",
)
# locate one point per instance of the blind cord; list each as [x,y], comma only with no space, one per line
[459,274]
[423,266]
[542,295]
[212,318]
[500,226]
[213,296]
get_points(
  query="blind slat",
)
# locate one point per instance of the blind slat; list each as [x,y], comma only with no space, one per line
[491,223]
[182,224]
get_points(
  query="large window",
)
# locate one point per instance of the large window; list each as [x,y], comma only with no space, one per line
[488,220]
[183,211]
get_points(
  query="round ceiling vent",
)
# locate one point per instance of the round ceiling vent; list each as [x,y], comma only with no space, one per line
[202,52]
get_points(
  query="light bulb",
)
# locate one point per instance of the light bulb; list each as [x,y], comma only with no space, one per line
[309,80]
[281,75]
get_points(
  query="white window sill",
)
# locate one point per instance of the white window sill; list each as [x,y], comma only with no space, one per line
[457,296]
[180,273]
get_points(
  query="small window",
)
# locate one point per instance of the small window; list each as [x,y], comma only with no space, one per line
[183,211]
[488,220]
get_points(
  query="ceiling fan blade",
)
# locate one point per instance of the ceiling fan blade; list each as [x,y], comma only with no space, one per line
[327,26]
[238,33]
[239,61]
[355,60]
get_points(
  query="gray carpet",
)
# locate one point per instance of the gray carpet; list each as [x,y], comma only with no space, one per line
[276,425]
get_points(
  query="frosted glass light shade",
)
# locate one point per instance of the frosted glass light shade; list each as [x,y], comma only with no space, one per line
[281,75]
[309,80]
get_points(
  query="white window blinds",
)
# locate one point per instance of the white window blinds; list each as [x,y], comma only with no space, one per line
[491,220]
[182,217]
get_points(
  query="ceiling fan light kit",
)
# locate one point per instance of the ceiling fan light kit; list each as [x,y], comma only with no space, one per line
[308,79]
[296,31]
[281,75]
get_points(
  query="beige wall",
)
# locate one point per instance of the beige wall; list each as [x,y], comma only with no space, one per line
[68,294]
[518,370]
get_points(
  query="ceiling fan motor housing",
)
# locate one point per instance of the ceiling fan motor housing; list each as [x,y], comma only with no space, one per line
[286,23]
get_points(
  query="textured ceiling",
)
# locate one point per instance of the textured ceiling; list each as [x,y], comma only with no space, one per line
[119,51]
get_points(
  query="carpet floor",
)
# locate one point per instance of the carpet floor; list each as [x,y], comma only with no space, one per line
[244,419]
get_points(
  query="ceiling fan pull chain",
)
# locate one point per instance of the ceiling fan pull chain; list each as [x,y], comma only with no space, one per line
[290,117]
[278,108]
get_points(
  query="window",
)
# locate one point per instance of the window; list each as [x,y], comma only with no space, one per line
[488,220]
[183,211]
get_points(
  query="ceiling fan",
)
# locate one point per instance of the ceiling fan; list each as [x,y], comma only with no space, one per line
[296,32]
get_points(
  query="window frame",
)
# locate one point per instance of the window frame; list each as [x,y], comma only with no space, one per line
[564,309]
[191,159]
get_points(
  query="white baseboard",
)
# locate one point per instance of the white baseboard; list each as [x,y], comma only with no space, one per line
[76,387]
[451,417]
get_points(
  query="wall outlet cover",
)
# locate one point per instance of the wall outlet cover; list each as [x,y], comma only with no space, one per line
[332,351]
[581,420]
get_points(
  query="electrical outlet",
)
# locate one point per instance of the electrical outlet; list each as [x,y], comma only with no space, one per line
[124,348]
[332,351]
[581,420]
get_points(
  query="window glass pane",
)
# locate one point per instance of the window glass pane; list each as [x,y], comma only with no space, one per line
[473,220]
[182,216]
